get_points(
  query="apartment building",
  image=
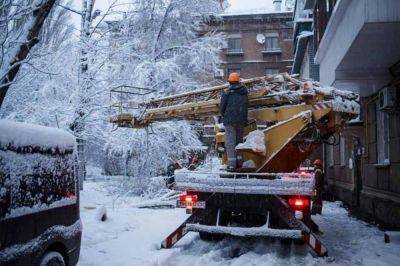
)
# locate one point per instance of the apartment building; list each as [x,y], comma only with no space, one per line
[258,43]
[355,47]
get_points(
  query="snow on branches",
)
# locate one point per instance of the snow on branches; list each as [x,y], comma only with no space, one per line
[153,44]
[160,45]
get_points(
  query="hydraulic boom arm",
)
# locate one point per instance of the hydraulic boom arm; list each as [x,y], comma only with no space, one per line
[298,115]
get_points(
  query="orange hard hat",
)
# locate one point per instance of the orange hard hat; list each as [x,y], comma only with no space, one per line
[318,162]
[234,77]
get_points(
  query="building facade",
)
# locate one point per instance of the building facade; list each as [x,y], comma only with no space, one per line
[356,48]
[257,44]
[304,45]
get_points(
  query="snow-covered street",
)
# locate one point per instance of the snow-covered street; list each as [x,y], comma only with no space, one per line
[131,236]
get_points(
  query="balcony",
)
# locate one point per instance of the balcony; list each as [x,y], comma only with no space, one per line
[230,51]
[272,51]
[360,43]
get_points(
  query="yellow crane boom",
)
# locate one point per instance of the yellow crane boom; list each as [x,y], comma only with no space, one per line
[298,114]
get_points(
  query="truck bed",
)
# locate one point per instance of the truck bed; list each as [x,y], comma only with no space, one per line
[245,183]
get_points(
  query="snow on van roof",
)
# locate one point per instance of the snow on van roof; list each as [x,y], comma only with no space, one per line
[19,135]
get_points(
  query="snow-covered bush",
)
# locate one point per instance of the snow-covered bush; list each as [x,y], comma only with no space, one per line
[142,154]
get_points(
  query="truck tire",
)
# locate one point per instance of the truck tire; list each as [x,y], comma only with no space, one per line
[299,242]
[286,241]
[52,258]
[210,218]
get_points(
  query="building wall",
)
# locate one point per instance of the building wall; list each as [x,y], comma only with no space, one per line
[381,181]
[253,61]
[305,65]
[343,173]
[371,187]
[314,68]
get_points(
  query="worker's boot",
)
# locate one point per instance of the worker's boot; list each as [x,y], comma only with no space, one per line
[230,169]
[239,161]
[316,208]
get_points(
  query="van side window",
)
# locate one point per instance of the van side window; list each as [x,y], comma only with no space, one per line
[35,181]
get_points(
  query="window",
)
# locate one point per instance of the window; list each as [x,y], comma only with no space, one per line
[234,45]
[382,135]
[329,149]
[342,151]
[272,42]
[271,71]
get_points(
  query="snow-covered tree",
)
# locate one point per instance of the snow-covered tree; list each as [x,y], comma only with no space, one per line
[33,94]
[154,44]
[20,24]
[159,46]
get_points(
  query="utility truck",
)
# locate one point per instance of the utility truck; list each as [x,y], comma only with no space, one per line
[267,197]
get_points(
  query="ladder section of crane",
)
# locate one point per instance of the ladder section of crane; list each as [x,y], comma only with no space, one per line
[271,91]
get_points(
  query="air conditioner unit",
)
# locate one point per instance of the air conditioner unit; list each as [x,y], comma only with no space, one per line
[389,98]
[219,73]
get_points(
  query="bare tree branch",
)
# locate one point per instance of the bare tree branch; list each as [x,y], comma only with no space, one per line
[70,9]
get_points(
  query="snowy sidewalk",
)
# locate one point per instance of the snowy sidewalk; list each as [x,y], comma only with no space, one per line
[131,236]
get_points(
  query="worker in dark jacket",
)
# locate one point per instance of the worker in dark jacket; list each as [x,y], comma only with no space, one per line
[319,187]
[234,112]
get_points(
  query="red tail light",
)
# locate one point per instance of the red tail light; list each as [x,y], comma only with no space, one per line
[299,203]
[188,200]
[69,195]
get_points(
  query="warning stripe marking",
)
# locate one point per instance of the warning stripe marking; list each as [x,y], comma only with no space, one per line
[315,244]
[321,106]
[174,237]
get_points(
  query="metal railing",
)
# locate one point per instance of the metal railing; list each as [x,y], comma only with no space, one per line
[125,98]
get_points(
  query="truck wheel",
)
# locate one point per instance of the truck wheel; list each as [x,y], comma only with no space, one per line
[52,258]
[298,241]
[210,237]
[286,241]
[210,218]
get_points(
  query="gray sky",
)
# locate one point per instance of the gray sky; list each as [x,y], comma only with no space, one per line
[249,5]
[235,6]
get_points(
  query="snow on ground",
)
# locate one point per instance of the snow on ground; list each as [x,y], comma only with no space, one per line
[131,236]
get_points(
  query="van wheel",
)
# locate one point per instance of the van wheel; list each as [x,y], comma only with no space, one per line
[52,258]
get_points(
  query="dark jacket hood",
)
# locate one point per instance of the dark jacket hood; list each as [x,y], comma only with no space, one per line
[238,88]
